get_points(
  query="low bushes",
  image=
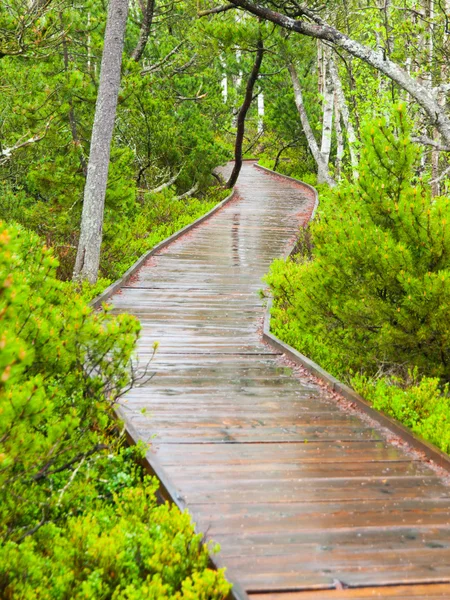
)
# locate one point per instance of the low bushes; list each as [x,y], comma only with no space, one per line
[77,518]
[375,298]
[130,228]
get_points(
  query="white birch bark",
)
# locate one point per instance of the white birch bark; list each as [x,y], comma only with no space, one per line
[260,112]
[339,140]
[88,254]
[327,112]
[322,167]
[224,80]
[319,29]
[343,109]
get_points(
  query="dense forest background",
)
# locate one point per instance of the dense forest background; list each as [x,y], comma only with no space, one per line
[349,96]
[184,76]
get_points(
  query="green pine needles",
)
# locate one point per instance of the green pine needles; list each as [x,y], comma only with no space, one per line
[375,299]
[78,518]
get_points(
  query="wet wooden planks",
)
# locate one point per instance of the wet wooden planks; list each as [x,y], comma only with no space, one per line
[404,592]
[304,498]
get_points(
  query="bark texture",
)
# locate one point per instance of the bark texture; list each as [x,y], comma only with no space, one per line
[243,113]
[327,119]
[343,109]
[319,29]
[146,23]
[322,167]
[88,254]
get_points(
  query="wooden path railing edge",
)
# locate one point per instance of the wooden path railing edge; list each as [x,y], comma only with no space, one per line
[121,282]
[168,492]
[429,450]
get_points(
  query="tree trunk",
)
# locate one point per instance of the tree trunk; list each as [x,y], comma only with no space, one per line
[319,29]
[88,254]
[327,120]
[322,167]
[343,109]
[243,113]
[146,23]
[339,140]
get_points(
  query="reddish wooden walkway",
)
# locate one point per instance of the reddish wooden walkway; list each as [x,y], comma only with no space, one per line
[305,499]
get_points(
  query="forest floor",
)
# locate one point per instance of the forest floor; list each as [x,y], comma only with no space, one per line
[306,499]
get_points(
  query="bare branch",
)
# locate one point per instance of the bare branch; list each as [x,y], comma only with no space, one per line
[195,98]
[216,10]
[193,189]
[423,139]
[158,65]
[165,185]
[441,176]
[6,153]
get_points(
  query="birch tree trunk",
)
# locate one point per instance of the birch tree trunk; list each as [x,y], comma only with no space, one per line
[88,254]
[339,140]
[319,29]
[343,109]
[327,120]
[322,167]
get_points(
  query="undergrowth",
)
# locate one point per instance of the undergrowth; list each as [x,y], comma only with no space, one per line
[367,296]
[78,517]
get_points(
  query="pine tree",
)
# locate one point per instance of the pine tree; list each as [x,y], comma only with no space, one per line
[377,293]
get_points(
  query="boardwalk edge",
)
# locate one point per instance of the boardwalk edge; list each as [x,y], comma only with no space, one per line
[167,491]
[122,281]
[429,450]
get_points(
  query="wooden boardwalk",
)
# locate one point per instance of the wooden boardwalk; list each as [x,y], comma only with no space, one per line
[307,501]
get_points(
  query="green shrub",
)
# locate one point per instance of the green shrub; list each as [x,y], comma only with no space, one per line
[377,294]
[367,295]
[130,549]
[61,369]
[77,517]
[421,405]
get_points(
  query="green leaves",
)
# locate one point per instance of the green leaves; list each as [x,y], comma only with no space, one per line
[60,374]
[376,295]
[78,519]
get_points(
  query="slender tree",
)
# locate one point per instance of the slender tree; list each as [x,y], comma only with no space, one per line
[322,165]
[148,10]
[88,254]
[243,112]
[318,28]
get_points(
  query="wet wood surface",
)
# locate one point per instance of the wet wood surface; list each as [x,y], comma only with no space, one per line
[307,501]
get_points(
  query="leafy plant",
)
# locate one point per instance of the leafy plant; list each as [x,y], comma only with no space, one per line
[368,294]
[377,293]
[78,518]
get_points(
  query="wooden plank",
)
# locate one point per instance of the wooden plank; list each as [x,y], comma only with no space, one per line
[353,542]
[299,452]
[404,592]
[294,489]
[267,517]
[300,493]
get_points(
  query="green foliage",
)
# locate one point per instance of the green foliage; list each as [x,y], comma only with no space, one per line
[129,549]
[368,294]
[422,405]
[77,517]
[377,292]
[61,369]
[161,129]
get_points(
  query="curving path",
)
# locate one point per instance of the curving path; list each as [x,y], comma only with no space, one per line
[307,501]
